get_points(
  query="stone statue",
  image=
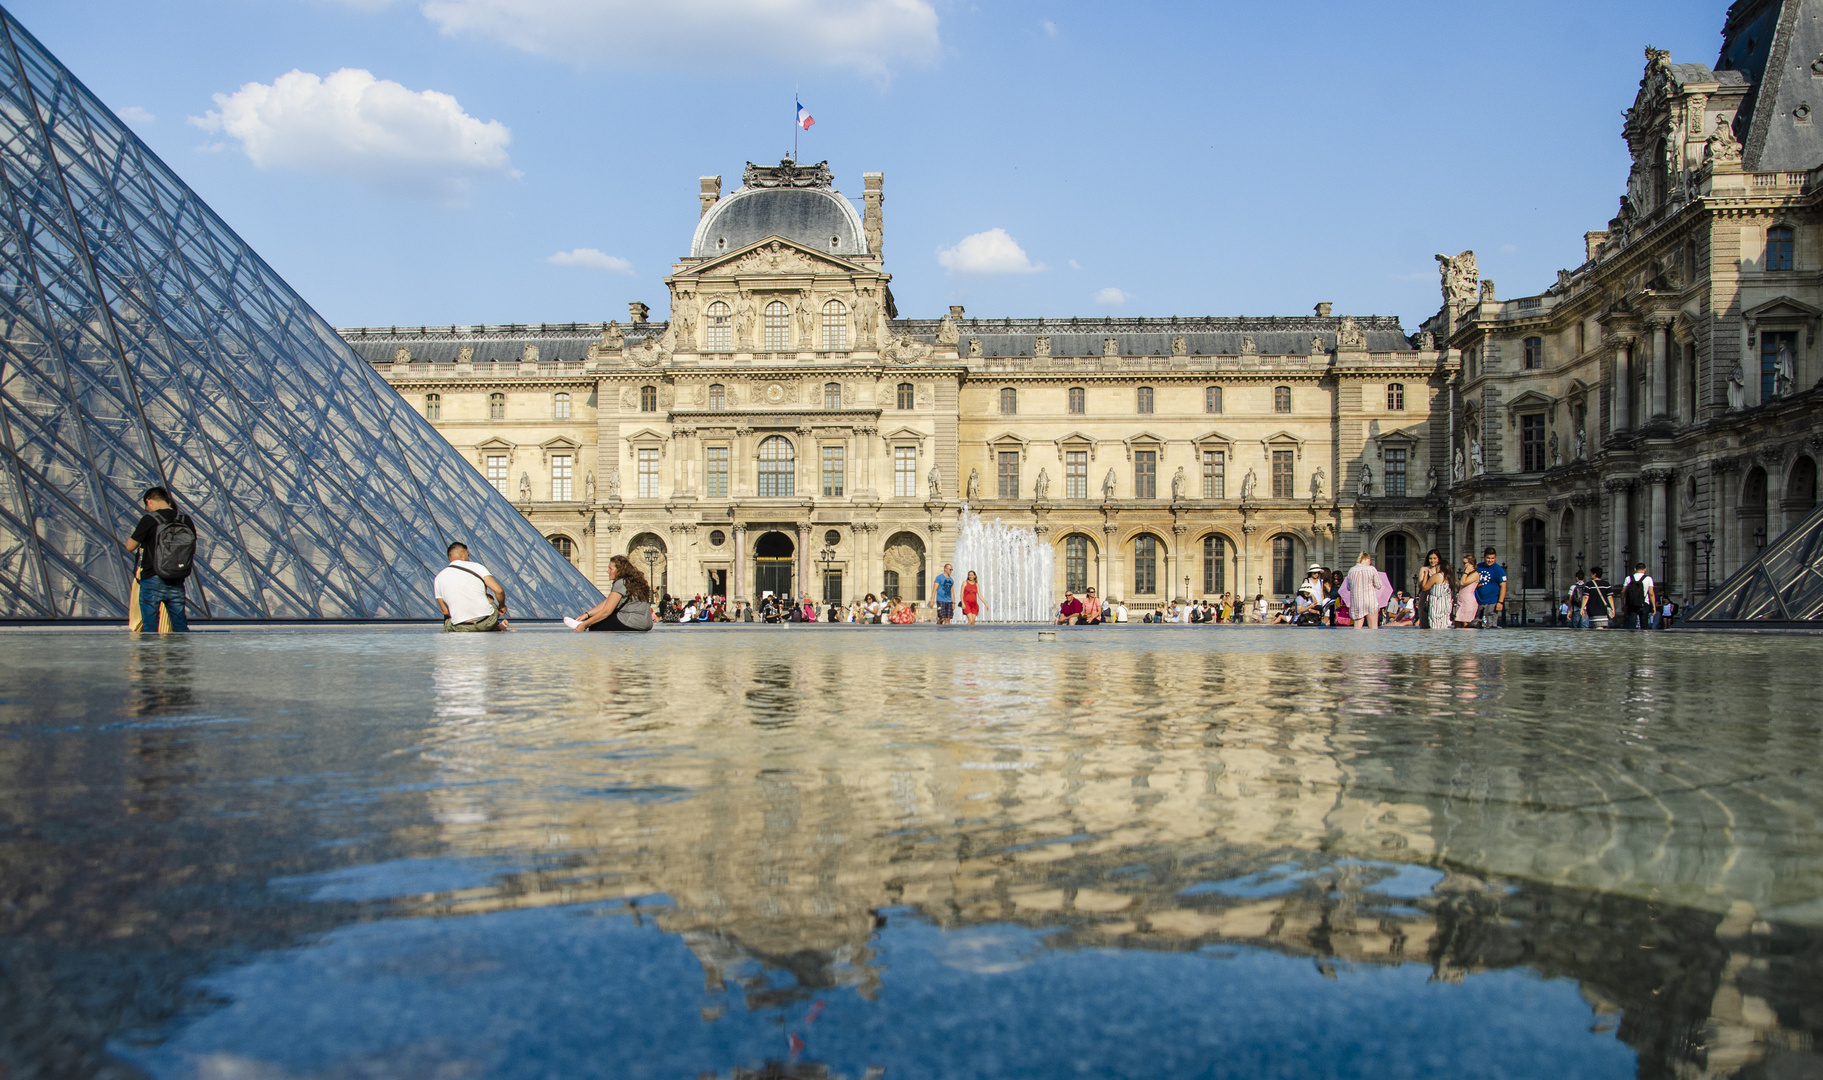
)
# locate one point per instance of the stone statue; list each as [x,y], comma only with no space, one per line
[1351,337]
[1179,347]
[683,326]
[743,323]
[805,323]
[1461,277]
[1249,484]
[1427,341]
[1722,148]
[867,318]
[465,355]
[1475,457]
[1110,346]
[1430,480]
[1107,486]
[1179,485]
[525,487]
[1041,345]
[974,346]
[588,488]
[1317,348]
[1367,480]
[1041,488]
[1487,291]
[1461,472]
[1556,451]
[1784,371]
[1582,441]
[936,483]
[1249,347]
[1316,484]
[946,331]
[612,339]
[613,483]
[974,484]
[401,355]
[1737,387]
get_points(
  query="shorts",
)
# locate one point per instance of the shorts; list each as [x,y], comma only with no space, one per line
[1598,622]
[946,609]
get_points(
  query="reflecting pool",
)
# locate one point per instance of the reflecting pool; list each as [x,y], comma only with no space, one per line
[910,852]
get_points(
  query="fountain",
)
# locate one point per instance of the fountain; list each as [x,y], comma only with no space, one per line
[1013,566]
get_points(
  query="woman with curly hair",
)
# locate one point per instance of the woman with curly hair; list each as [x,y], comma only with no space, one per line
[628,605]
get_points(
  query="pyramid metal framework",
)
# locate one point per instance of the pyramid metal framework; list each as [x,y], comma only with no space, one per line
[142,342]
[1783,585]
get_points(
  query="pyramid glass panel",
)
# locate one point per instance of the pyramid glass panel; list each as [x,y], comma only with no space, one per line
[143,343]
[1783,585]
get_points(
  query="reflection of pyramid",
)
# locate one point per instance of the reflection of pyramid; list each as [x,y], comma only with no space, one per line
[1783,585]
[145,343]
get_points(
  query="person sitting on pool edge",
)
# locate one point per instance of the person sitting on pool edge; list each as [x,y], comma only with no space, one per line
[628,605]
[1070,612]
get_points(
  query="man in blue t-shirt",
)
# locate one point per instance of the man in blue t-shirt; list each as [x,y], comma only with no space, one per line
[946,599]
[1491,594]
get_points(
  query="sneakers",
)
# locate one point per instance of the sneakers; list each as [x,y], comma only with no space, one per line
[571,623]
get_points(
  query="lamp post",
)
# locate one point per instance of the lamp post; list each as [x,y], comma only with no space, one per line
[1579,566]
[1759,538]
[1626,561]
[1708,550]
[827,557]
[1186,588]
[652,567]
[1550,596]
[1664,564]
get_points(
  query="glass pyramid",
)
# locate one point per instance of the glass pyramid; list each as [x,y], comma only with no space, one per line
[1783,585]
[142,342]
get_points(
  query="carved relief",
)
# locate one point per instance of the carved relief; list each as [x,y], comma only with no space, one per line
[1351,337]
[1110,346]
[1179,347]
[1722,148]
[529,355]
[1461,277]
[974,347]
[1041,346]
[401,355]
[465,355]
[907,350]
[1249,347]
[648,353]
[775,258]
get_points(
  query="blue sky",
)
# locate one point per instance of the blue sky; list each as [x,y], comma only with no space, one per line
[1138,159]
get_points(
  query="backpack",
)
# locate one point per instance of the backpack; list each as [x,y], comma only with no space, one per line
[1634,594]
[173,548]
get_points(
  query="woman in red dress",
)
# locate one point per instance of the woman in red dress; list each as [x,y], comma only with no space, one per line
[971,598]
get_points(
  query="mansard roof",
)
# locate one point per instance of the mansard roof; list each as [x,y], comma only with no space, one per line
[501,344]
[1272,336]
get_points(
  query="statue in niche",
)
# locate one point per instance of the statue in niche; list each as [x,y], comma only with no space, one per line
[1430,480]
[588,488]
[1784,370]
[1367,480]
[1461,277]
[1041,488]
[613,483]
[1461,472]
[1737,387]
[867,319]
[525,487]
[1475,458]
[1316,484]
[936,483]
[1556,451]
[1249,347]
[1107,486]
[1582,440]
[974,484]
[683,325]
[1249,485]
[805,323]
[743,323]
[1179,485]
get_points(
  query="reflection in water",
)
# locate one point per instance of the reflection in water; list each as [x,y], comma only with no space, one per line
[901,829]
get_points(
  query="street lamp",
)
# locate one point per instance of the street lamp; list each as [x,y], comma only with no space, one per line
[1664,565]
[1759,538]
[1186,588]
[1626,561]
[828,556]
[652,568]
[1550,595]
[1708,550]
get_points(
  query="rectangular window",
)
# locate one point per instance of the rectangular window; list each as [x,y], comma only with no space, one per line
[1395,472]
[1145,474]
[560,407]
[1009,474]
[648,399]
[1078,401]
[1143,403]
[1009,402]
[1531,442]
[1281,399]
[718,397]
[433,406]
[1283,485]
[832,586]
[1076,474]
[1769,361]
[496,472]
[1395,397]
[832,395]
[1215,474]
[1215,565]
[1779,247]
[1145,565]
[648,472]
[496,406]
[832,471]
[1212,399]
[905,395]
[1534,353]
[905,471]
[715,476]
[561,477]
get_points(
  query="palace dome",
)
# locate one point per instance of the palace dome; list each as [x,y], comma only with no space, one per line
[796,203]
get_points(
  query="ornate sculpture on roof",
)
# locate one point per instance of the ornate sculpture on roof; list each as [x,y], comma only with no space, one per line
[1487,291]
[1317,346]
[1461,277]
[465,355]
[974,346]
[788,174]
[401,355]
[1351,337]
[611,337]
[1179,347]
[649,352]
[1041,345]
[529,355]
[905,349]
[1722,148]
[1249,347]
[947,333]
[1110,346]
[1424,341]
[775,258]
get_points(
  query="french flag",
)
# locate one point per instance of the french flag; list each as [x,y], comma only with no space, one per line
[804,117]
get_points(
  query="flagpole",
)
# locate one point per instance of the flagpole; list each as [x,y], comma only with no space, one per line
[794,122]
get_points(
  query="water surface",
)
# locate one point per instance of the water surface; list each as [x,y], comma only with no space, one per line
[910,852]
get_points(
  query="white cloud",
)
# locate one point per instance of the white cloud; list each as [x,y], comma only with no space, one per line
[1112,297]
[1074,265]
[133,114]
[1049,27]
[871,36]
[590,259]
[990,252]
[373,131]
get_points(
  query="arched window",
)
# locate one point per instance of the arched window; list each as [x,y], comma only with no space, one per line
[564,545]
[496,406]
[1079,403]
[1215,565]
[560,407]
[718,328]
[433,406]
[1284,566]
[778,326]
[832,395]
[1142,399]
[1779,248]
[1145,565]
[1212,400]
[1076,563]
[1534,353]
[1009,401]
[778,468]
[1281,399]
[1800,486]
[1395,561]
[906,399]
[1531,553]
[1395,397]
[718,396]
[835,325]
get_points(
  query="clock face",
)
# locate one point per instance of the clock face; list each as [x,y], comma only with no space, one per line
[775,393]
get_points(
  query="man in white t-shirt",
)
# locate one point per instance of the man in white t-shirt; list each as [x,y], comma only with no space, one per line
[1638,599]
[462,590]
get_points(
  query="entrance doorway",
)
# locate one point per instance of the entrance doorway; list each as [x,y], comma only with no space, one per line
[772,557]
[718,583]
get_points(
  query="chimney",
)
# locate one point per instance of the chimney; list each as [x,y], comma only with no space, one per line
[638,313]
[955,313]
[873,222]
[711,194]
[1324,308]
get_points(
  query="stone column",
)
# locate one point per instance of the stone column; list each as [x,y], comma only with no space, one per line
[737,585]
[1117,582]
[805,562]
[1660,527]
[1660,331]
[1623,384]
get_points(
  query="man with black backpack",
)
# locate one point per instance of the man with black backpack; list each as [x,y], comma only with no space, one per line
[166,543]
[1639,597]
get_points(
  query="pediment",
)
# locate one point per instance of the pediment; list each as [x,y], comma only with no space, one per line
[1531,399]
[1008,438]
[1075,440]
[647,435]
[1397,437]
[1783,307]
[775,255]
[1213,437]
[497,443]
[905,434]
[560,445]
